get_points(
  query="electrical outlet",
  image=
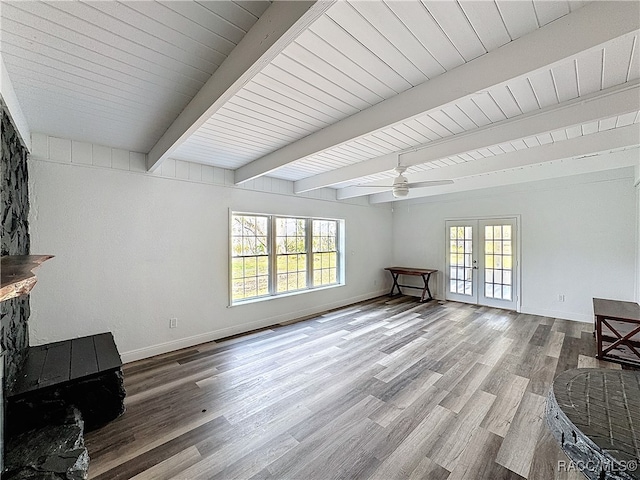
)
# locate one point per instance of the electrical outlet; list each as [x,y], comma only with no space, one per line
[561,297]
[173,322]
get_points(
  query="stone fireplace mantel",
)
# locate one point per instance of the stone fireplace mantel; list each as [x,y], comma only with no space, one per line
[17,274]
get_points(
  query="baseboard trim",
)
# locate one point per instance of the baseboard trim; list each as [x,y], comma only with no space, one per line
[186,342]
[576,317]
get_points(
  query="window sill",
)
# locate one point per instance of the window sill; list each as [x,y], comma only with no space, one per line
[283,295]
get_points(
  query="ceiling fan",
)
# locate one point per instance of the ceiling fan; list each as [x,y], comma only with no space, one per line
[400,186]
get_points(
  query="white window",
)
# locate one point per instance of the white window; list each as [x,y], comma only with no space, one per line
[325,252]
[274,255]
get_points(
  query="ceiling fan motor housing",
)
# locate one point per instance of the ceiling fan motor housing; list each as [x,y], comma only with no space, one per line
[400,186]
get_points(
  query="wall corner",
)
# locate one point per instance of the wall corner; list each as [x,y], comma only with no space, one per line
[12,106]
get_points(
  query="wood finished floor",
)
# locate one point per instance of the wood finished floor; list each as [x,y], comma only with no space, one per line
[384,389]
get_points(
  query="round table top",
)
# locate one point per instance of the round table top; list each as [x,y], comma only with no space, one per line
[604,405]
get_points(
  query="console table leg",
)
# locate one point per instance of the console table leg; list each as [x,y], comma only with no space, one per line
[426,290]
[395,284]
[599,336]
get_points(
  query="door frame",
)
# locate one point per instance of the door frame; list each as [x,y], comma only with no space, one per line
[517,257]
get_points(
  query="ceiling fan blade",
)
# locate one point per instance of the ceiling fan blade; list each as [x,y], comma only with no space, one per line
[433,183]
[375,185]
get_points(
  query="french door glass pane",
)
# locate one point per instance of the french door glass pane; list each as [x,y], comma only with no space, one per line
[461,250]
[498,279]
[467,287]
[506,292]
[488,275]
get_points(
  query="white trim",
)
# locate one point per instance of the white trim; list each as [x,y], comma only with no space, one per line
[562,315]
[229,258]
[209,175]
[173,345]
[293,293]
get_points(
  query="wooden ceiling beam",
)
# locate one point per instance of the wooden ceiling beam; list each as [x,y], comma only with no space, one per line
[276,28]
[581,31]
[474,173]
[597,106]
[531,173]
[332,177]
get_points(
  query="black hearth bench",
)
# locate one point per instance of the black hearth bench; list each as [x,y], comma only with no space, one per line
[82,371]
[56,364]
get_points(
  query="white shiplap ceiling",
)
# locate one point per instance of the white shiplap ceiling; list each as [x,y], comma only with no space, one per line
[345,91]
[116,73]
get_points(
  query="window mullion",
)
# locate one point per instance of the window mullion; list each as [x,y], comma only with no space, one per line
[309,250]
[273,264]
[336,248]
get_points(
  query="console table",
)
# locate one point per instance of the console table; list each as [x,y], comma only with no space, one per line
[424,273]
[619,340]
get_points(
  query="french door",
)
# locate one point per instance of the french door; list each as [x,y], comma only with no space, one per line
[482,265]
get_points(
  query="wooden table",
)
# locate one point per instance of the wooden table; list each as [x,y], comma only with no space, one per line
[415,272]
[621,343]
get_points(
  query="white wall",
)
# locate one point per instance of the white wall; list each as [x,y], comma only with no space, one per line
[133,250]
[578,237]
[637,185]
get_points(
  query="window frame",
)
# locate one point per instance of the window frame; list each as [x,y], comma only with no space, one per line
[274,248]
[312,252]
[243,256]
[272,255]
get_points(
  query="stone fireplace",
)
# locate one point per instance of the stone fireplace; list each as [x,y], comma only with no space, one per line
[54,391]
[14,240]
[14,233]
